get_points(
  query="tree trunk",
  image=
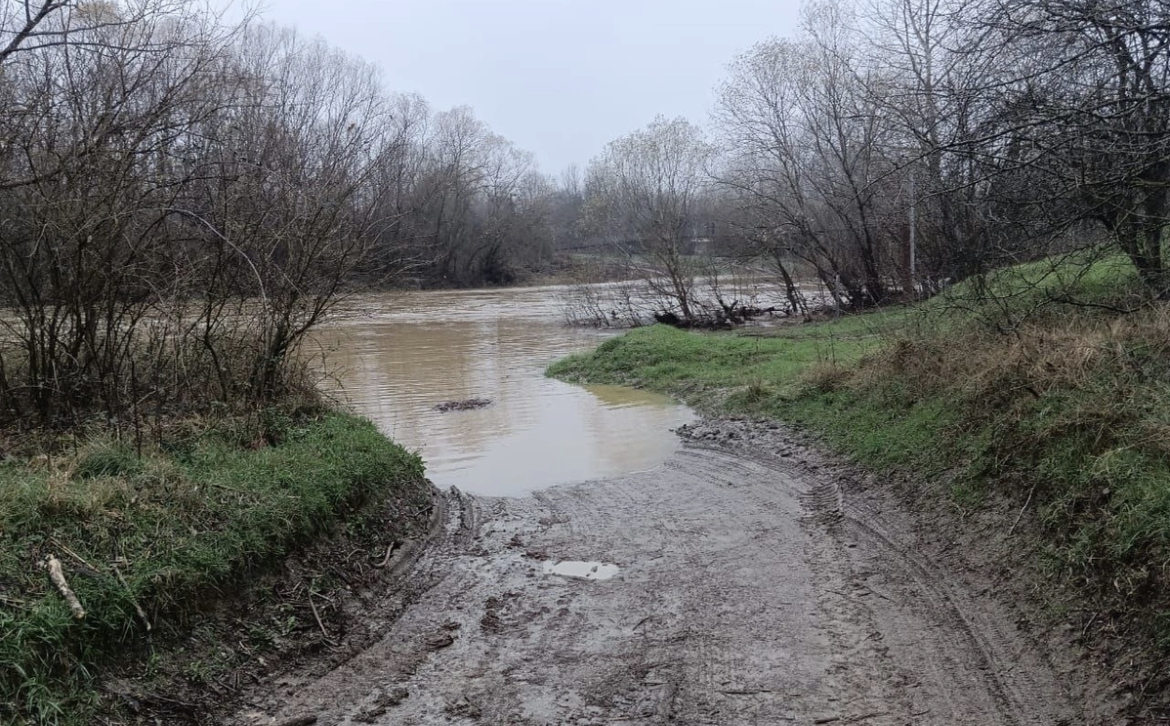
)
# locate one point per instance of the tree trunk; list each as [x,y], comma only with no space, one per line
[1143,244]
[795,299]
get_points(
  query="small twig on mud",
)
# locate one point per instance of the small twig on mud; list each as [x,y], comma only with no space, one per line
[341,576]
[321,625]
[1085,630]
[173,702]
[292,593]
[855,595]
[424,509]
[297,721]
[389,553]
[745,691]
[1022,510]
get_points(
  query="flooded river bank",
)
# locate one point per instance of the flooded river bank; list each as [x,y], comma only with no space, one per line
[395,357]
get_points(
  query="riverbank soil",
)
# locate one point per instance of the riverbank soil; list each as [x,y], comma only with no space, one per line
[747,580]
[314,612]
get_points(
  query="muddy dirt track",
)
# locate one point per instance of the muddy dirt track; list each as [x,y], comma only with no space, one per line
[753,589]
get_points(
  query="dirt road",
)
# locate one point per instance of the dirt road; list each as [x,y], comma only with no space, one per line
[750,588]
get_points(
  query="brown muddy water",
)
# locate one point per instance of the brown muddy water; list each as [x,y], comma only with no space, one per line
[395,357]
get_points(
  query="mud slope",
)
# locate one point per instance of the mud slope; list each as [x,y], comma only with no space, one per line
[751,590]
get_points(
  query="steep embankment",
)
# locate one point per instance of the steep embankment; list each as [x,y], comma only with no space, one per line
[216,549]
[1055,415]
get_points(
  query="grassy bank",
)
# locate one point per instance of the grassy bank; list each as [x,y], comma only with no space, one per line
[152,540]
[1062,405]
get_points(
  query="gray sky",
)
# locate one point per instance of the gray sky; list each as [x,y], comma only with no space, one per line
[559,78]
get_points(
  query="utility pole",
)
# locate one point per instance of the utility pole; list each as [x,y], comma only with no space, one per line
[913,232]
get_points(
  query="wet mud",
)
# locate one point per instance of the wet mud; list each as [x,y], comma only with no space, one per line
[746,581]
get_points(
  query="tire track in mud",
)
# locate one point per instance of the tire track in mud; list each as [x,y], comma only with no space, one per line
[752,590]
[821,505]
[992,654]
[1017,679]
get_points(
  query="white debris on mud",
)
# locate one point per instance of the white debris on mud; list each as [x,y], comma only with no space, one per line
[581,570]
[755,588]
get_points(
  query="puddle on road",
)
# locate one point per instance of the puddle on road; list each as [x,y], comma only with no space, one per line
[582,570]
[397,358]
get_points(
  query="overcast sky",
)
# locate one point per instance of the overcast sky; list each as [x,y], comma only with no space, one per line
[557,77]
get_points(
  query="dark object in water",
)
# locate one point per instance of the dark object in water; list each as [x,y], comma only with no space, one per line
[468,405]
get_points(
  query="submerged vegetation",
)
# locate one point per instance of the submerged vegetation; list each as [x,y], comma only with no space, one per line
[1047,383]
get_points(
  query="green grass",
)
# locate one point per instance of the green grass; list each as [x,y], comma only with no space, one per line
[711,368]
[793,373]
[174,531]
[996,385]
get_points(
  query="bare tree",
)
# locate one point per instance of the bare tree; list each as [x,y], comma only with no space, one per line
[644,190]
[804,157]
[289,206]
[91,143]
[1077,121]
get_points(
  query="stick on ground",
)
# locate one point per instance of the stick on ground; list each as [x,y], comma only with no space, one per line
[317,617]
[57,575]
[137,608]
[1022,510]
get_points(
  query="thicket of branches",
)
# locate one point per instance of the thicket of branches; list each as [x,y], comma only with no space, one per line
[181,201]
[897,146]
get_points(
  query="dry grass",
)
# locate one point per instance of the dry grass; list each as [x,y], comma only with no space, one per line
[827,377]
[1074,407]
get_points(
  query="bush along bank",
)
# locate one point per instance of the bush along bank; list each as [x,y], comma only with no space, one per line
[1064,410]
[155,544]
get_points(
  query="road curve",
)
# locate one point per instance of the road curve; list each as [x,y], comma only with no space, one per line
[751,590]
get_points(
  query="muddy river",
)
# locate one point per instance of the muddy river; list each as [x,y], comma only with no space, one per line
[395,357]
